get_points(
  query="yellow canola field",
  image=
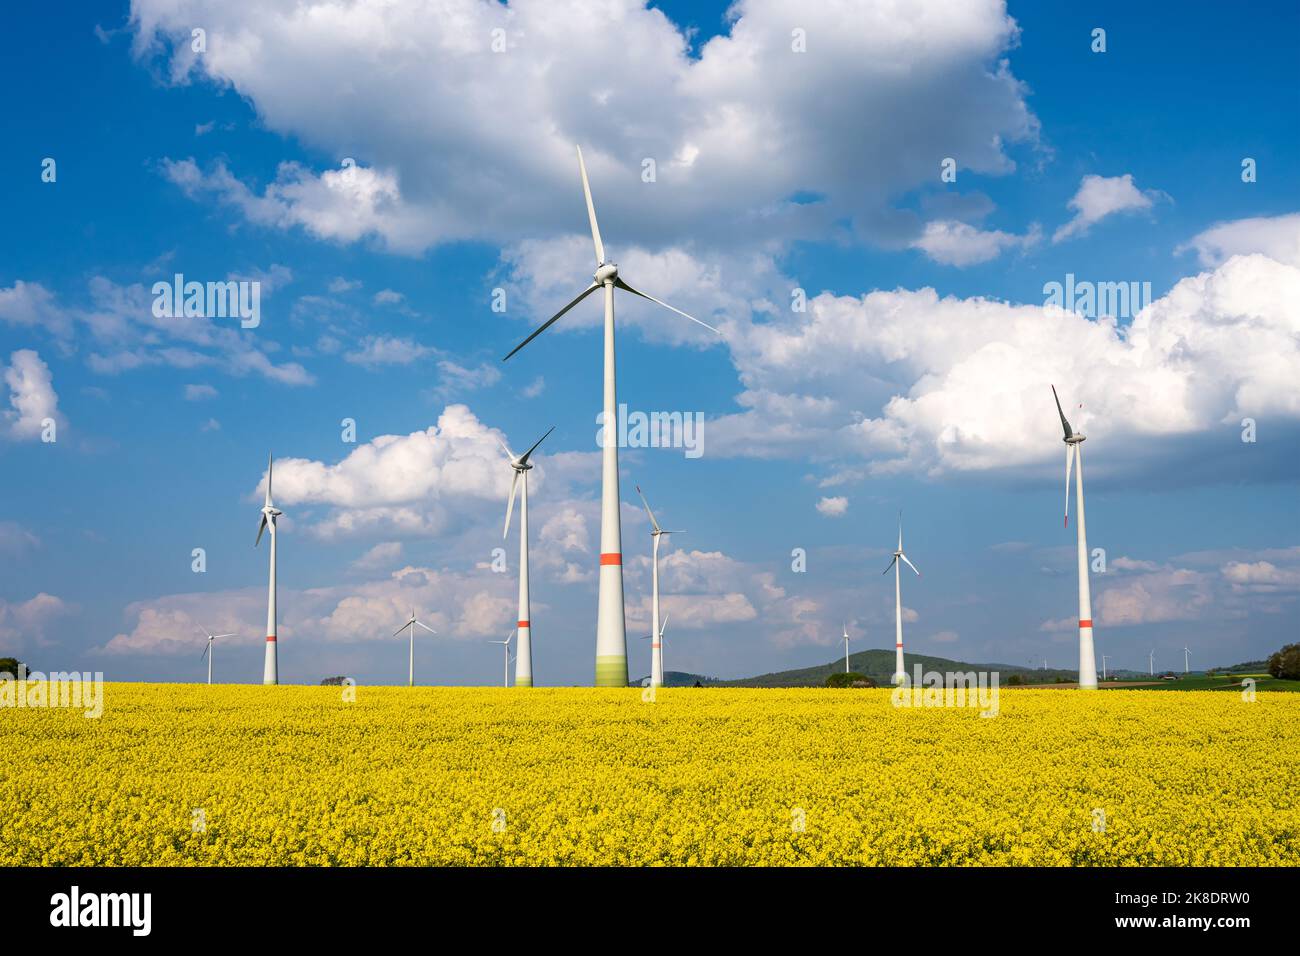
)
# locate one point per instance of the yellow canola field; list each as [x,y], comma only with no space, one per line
[190,774]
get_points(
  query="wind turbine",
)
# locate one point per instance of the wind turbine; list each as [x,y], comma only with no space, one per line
[656,652]
[611,627]
[899,673]
[1074,452]
[846,648]
[207,648]
[1104,658]
[1151,662]
[1186,657]
[524,656]
[506,647]
[271,668]
[412,623]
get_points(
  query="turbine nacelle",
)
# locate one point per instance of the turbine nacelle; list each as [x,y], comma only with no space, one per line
[520,464]
[606,274]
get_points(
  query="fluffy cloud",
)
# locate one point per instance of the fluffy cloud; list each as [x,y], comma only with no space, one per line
[416,483]
[459,605]
[341,204]
[960,244]
[746,125]
[1192,587]
[118,328]
[32,398]
[912,381]
[384,554]
[1277,237]
[833,507]
[25,625]
[1102,196]
[1261,577]
[1156,597]
[376,350]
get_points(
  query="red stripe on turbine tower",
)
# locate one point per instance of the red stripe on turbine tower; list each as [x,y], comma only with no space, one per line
[270,638]
[523,623]
[612,557]
[1087,623]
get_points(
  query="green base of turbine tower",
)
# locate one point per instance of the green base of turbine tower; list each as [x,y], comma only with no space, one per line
[611,671]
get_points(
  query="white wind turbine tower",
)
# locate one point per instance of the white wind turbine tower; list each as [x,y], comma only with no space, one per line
[412,622]
[524,655]
[506,647]
[1104,658]
[611,627]
[846,648]
[1186,657]
[1074,452]
[657,642]
[271,668]
[899,673]
[207,648]
[1151,662]
[656,651]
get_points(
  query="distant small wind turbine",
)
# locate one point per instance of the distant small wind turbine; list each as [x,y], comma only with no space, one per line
[524,655]
[611,625]
[656,652]
[1151,662]
[660,642]
[846,648]
[1074,452]
[899,673]
[412,623]
[505,647]
[1186,658]
[271,666]
[1104,659]
[207,648]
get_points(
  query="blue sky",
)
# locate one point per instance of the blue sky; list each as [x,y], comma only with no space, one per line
[817,170]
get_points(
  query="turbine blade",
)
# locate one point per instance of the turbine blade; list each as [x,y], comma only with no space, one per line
[909,563]
[268,480]
[260,528]
[1064,424]
[217,637]
[900,530]
[401,629]
[891,565]
[1069,463]
[205,650]
[551,321]
[591,211]
[664,626]
[524,458]
[510,507]
[627,288]
[425,626]
[506,448]
[654,523]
